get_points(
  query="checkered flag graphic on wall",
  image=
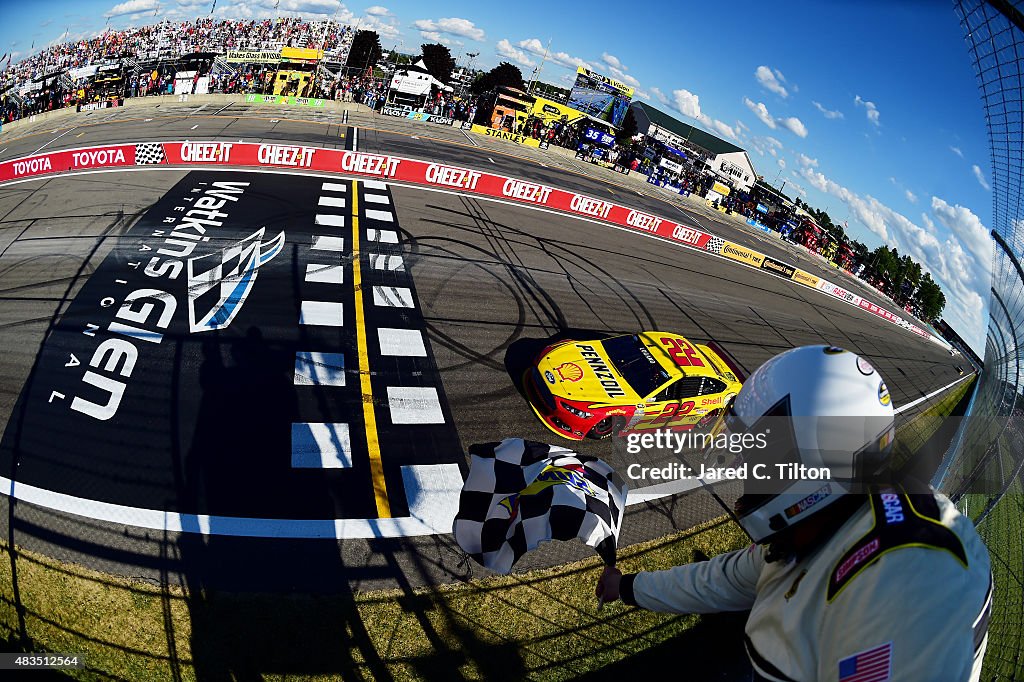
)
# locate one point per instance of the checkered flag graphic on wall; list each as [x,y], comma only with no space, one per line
[715,245]
[521,493]
[149,153]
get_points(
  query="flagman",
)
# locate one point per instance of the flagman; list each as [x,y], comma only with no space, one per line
[841,587]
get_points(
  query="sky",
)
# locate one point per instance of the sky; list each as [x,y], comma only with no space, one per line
[867,109]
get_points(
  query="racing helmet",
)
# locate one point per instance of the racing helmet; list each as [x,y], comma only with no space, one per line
[828,424]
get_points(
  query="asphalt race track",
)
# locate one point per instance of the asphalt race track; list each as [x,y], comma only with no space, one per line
[240,410]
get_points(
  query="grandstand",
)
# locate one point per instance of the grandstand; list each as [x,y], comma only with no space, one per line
[43,80]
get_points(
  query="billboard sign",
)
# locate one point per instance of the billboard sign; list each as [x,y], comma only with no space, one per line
[600,96]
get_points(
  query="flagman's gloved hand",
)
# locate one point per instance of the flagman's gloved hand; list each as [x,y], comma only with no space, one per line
[608,584]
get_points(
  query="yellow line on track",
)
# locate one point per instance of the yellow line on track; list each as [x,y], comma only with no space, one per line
[380,491]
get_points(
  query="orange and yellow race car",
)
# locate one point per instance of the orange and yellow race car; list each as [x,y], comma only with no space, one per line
[633,382]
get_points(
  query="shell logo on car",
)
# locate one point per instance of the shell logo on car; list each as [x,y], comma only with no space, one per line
[569,371]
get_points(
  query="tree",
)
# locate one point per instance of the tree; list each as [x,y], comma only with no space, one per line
[885,264]
[438,60]
[859,249]
[365,51]
[628,130]
[930,298]
[503,75]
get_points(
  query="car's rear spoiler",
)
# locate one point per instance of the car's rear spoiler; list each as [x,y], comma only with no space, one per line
[729,361]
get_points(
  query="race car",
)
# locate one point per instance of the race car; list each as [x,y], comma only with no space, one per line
[632,382]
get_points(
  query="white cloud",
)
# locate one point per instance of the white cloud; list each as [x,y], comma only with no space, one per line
[782,163]
[827,113]
[962,222]
[378,11]
[452,26]
[535,46]
[792,124]
[613,62]
[771,80]
[431,35]
[911,197]
[761,111]
[509,51]
[805,160]
[385,27]
[320,8]
[956,150]
[980,177]
[688,104]
[963,273]
[801,190]
[766,145]
[723,129]
[567,60]
[871,109]
[131,7]
[659,95]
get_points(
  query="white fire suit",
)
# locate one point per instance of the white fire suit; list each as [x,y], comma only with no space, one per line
[892,594]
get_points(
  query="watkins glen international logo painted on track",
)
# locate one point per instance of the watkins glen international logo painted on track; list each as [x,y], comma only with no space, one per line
[218,284]
[232,271]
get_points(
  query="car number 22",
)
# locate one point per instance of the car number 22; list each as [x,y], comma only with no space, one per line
[672,414]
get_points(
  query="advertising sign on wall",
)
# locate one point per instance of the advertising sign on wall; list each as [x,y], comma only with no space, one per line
[281,99]
[253,57]
[599,137]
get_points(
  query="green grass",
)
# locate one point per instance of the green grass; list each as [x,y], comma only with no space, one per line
[542,625]
[914,433]
[1003,533]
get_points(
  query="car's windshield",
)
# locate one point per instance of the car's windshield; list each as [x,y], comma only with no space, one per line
[635,363]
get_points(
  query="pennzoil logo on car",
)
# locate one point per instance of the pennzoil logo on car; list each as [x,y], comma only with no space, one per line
[601,370]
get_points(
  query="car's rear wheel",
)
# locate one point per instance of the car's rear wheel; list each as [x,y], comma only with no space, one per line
[708,420]
[602,429]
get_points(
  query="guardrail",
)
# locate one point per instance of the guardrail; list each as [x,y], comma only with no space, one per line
[387,167]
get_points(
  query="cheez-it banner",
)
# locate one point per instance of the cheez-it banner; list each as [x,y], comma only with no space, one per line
[443,176]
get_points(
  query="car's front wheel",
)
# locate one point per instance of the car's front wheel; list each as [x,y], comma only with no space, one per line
[602,429]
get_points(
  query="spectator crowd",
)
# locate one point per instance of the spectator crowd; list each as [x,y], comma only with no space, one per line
[51,86]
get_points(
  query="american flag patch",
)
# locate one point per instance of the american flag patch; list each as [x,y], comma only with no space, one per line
[873,665]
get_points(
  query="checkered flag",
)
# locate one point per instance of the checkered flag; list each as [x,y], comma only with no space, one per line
[715,245]
[521,493]
[149,153]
